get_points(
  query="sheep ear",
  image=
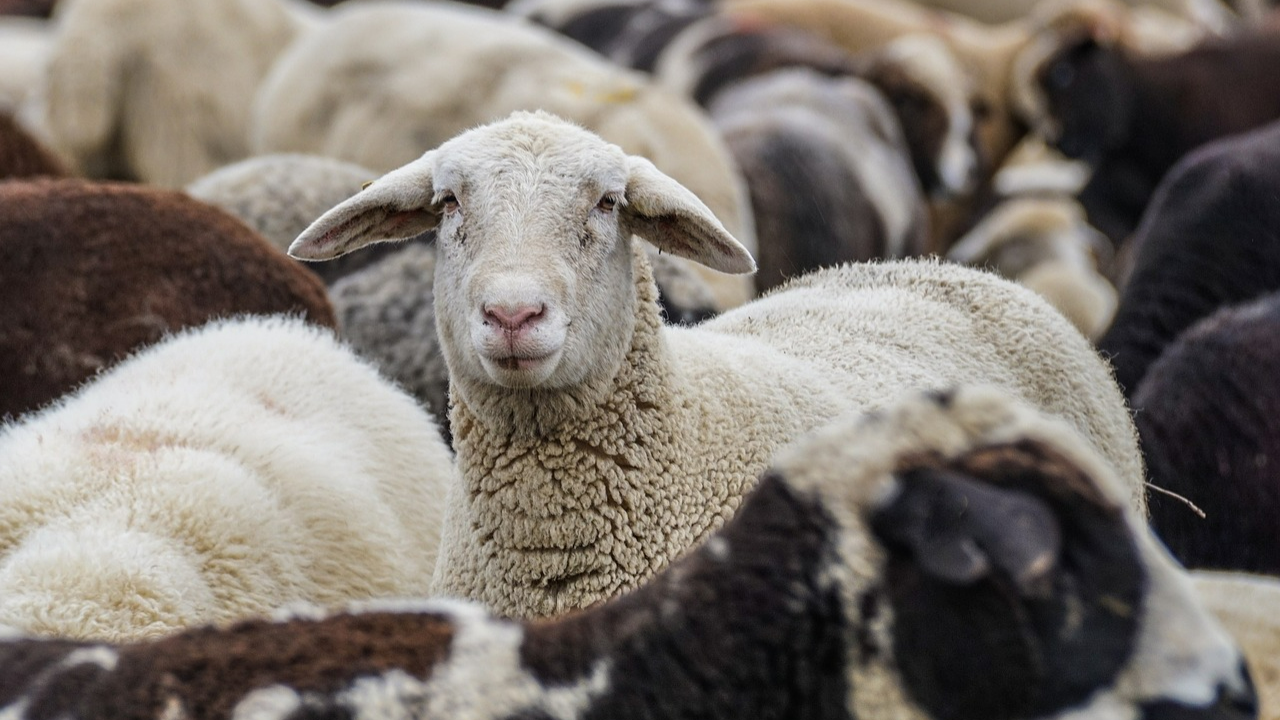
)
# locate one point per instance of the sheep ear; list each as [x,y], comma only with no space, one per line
[961,530]
[396,206]
[667,214]
[1016,586]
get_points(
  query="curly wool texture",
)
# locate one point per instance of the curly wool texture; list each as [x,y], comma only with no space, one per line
[159,91]
[1247,604]
[280,195]
[580,497]
[438,69]
[207,479]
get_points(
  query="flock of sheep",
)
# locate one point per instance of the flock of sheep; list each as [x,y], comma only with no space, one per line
[733,358]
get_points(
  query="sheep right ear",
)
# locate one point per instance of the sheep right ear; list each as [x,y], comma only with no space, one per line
[670,216]
[396,206]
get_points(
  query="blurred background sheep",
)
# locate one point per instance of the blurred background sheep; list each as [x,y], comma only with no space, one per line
[1113,155]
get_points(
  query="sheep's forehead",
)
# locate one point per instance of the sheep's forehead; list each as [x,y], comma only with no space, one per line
[531,151]
[929,62]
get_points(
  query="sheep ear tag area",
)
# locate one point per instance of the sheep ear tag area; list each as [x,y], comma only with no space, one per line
[331,237]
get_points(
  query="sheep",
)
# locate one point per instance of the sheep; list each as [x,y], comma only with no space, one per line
[1210,238]
[1208,431]
[24,46]
[93,270]
[850,585]
[931,94]
[1246,604]
[280,195]
[467,65]
[828,170]
[1133,116]
[22,155]
[205,480]
[158,91]
[632,33]
[1045,244]
[33,8]
[579,420]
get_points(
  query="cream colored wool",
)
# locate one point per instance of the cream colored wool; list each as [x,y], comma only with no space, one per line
[211,477]
[639,440]
[157,90]
[384,81]
[24,45]
[1249,606]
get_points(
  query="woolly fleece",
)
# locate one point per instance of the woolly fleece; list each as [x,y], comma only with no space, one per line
[549,521]
[1249,605]
[440,68]
[155,90]
[206,479]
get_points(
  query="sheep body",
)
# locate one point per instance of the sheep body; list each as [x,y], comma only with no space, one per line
[1246,604]
[594,444]
[158,91]
[24,47]
[206,480]
[1210,434]
[1209,238]
[827,168]
[438,69]
[94,271]
[810,604]
[22,155]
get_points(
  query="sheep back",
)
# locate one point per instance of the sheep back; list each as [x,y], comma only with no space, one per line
[95,270]
[1210,432]
[206,479]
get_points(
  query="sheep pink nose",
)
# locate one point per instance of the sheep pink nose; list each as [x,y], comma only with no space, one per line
[513,318]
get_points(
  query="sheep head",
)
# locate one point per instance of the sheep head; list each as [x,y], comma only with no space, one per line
[991,569]
[534,219]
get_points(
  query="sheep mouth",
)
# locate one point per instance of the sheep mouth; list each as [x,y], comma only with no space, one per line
[520,362]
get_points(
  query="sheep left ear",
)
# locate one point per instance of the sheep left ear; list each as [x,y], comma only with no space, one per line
[396,206]
[667,214]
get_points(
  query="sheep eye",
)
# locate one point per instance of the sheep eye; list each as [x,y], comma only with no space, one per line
[607,203]
[448,202]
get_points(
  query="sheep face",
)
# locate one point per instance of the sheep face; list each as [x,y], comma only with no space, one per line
[989,562]
[534,219]
[934,100]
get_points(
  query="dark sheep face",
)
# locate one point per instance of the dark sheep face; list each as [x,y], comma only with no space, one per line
[1086,95]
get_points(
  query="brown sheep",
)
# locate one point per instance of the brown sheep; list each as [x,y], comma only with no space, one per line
[93,271]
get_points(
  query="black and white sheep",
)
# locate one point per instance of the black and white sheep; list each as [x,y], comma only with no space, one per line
[1209,423]
[956,556]
[828,170]
[1210,238]
[92,271]
[596,444]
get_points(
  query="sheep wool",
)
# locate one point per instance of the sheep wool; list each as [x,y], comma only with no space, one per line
[595,444]
[1249,605]
[208,479]
[583,496]
[440,68]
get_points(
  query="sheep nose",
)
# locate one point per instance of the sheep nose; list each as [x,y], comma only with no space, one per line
[513,318]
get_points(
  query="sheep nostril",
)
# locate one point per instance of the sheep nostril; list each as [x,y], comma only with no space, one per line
[514,317]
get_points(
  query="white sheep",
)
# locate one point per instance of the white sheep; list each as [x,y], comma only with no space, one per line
[1249,606]
[957,556]
[209,478]
[437,69]
[1046,244]
[24,45]
[156,90]
[596,445]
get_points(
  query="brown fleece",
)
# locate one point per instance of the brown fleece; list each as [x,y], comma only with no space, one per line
[21,155]
[94,271]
